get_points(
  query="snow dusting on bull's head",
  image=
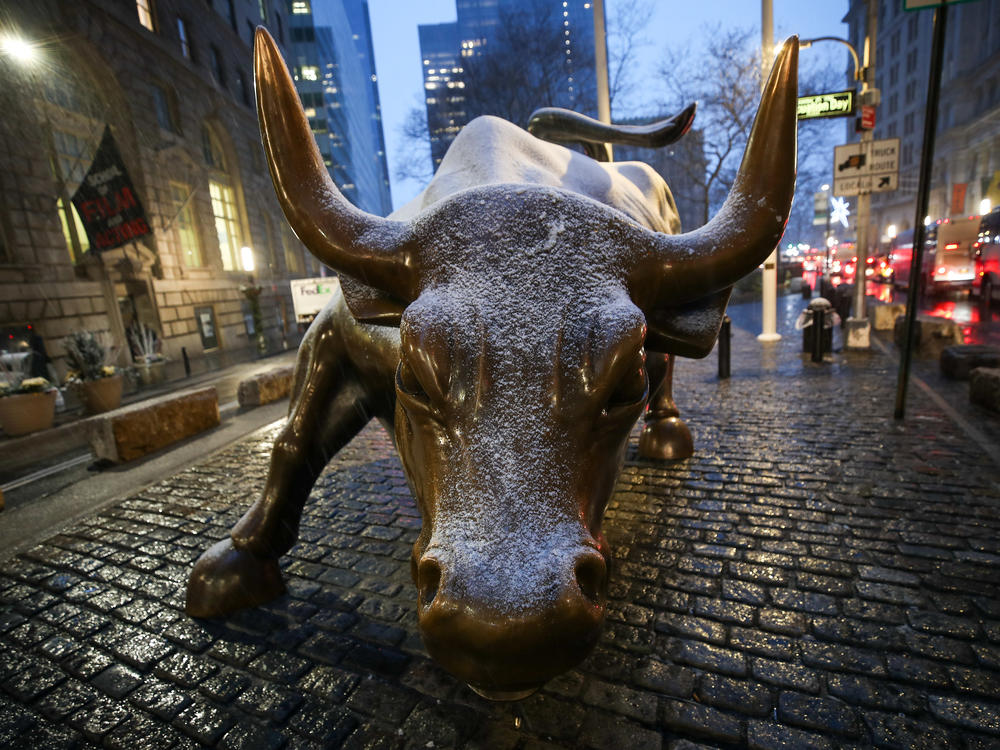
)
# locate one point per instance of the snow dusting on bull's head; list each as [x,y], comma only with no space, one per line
[523,310]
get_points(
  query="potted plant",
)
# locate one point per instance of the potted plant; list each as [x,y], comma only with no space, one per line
[26,404]
[96,382]
[147,355]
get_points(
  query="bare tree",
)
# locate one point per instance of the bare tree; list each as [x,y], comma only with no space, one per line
[522,68]
[413,162]
[625,41]
[725,81]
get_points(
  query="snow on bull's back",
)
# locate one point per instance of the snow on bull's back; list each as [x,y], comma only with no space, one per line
[491,151]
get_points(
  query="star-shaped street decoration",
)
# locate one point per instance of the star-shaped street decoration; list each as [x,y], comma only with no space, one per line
[840,210]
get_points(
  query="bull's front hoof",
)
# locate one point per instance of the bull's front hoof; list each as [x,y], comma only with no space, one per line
[667,438]
[227,579]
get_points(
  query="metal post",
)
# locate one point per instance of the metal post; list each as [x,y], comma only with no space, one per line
[769,301]
[858,326]
[187,362]
[923,188]
[725,341]
[601,62]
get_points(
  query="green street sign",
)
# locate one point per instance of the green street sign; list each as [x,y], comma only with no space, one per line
[837,104]
[925,4]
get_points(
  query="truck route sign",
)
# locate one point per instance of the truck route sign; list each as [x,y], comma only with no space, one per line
[866,167]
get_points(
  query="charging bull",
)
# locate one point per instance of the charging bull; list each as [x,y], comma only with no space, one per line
[497,326]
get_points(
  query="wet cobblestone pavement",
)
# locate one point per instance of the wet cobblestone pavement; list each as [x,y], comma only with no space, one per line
[816,576]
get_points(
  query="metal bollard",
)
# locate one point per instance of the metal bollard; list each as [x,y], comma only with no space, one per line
[724,347]
[187,362]
[818,323]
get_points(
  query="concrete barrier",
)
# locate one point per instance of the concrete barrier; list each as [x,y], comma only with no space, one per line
[137,430]
[883,315]
[931,335]
[984,387]
[265,387]
[957,362]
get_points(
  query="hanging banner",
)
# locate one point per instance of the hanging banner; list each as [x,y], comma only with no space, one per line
[107,202]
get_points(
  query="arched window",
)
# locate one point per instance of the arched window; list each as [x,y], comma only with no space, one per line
[220,190]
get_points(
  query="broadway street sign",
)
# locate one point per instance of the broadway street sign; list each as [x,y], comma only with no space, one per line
[837,104]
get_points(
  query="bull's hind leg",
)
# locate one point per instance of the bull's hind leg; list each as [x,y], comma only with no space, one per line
[664,434]
[327,411]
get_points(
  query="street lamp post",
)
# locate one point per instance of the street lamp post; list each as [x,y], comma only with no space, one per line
[858,326]
[769,290]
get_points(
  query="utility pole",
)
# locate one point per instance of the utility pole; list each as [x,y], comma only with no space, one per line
[769,291]
[858,327]
[601,62]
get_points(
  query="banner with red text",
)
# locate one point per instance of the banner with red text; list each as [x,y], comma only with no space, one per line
[106,200]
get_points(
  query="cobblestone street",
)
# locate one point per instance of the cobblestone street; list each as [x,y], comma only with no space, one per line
[817,576]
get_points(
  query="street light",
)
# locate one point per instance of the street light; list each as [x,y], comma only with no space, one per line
[806,43]
[18,49]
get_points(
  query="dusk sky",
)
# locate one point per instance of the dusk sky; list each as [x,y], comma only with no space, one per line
[397,50]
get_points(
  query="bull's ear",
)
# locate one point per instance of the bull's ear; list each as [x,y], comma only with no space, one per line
[688,330]
[369,305]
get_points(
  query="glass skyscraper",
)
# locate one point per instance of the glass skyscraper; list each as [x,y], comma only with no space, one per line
[334,70]
[446,49]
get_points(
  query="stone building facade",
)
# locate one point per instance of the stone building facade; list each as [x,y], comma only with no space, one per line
[172,80]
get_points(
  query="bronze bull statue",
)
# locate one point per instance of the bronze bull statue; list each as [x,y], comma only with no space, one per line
[497,326]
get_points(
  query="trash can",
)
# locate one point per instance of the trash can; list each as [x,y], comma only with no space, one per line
[805,321]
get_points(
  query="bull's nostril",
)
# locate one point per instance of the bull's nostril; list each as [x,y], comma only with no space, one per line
[591,576]
[428,580]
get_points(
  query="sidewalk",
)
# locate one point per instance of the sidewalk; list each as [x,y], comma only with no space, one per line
[19,455]
[818,575]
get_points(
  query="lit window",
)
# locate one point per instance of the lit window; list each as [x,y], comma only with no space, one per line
[73,158]
[187,236]
[309,73]
[301,7]
[224,210]
[145,10]
[182,34]
[82,244]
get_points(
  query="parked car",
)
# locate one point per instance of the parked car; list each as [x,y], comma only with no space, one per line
[987,256]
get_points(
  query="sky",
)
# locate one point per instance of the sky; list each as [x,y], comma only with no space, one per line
[398,63]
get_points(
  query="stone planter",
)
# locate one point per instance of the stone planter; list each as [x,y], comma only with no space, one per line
[100,395]
[22,413]
[151,373]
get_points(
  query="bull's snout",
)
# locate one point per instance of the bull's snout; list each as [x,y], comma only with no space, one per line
[507,638]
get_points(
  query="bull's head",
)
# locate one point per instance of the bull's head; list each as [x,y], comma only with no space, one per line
[523,314]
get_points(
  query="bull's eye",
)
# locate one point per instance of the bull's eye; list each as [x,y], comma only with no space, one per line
[407,382]
[630,391]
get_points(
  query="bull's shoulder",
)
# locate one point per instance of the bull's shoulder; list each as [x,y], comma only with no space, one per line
[657,208]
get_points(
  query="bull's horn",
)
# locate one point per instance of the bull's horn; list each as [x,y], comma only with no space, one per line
[362,245]
[750,223]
